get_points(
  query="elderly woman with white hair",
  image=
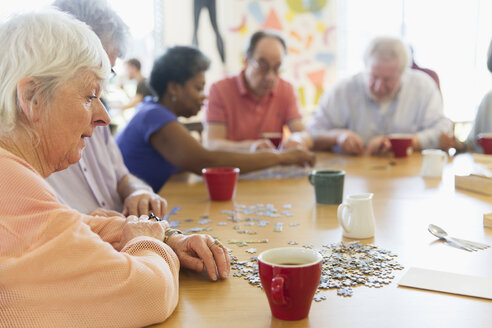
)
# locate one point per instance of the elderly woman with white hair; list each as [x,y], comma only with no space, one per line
[59,267]
[357,114]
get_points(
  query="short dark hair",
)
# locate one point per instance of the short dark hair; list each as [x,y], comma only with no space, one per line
[178,64]
[257,36]
[135,63]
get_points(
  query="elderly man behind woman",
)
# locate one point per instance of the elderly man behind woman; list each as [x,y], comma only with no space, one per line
[59,267]
[100,182]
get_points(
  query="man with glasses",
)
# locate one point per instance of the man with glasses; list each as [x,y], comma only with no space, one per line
[249,111]
[357,114]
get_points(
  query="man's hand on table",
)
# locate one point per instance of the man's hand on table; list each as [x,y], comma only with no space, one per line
[297,156]
[142,201]
[198,251]
[292,144]
[261,144]
[378,146]
[350,142]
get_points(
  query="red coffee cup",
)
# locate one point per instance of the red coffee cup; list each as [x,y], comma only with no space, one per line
[401,144]
[485,141]
[274,137]
[290,277]
[221,182]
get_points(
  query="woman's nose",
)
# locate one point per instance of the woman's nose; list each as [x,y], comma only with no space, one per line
[101,116]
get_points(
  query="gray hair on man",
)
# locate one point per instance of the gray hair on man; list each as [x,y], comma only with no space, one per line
[52,48]
[382,49]
[103,20]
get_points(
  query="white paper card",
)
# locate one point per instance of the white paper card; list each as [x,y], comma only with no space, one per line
[448,282]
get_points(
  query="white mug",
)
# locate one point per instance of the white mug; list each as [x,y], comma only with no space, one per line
[356,216]
[433,164]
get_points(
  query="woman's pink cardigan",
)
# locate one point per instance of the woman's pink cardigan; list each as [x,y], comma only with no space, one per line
[58,267]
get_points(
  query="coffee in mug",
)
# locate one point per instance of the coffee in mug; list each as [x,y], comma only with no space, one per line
[290,277]
[401,144]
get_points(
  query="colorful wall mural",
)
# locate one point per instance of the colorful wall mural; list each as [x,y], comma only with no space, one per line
[309,27]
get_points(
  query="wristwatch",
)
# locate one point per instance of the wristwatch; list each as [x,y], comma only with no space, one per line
[169,233]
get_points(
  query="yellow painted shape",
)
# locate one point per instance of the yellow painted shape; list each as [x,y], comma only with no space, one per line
[302,96]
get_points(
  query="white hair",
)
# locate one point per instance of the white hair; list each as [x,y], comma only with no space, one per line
[51,47]
[103,20]
[383,49]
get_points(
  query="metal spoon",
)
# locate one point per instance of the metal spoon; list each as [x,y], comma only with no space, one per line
[441,234]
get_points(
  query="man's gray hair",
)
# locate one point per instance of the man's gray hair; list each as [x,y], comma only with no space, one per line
[383,49]
[52,48]
[103,20]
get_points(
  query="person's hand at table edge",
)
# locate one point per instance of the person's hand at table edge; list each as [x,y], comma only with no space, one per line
[198,251]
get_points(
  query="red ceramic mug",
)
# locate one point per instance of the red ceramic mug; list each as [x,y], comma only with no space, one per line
[274,137]
[485,141]
[401,144]
[221,182]
[290,277]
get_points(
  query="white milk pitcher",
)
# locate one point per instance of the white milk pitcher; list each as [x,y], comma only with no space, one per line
[433,164]
[356,216]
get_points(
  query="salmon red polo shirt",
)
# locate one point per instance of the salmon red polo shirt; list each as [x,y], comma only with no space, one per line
[246,118]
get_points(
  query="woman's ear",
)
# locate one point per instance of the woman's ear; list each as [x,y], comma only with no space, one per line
[174,90]
[26,90]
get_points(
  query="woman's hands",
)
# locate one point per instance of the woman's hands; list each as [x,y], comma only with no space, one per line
[136,227]
[196,252]
[199,251]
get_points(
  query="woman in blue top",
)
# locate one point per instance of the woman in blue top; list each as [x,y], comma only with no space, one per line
[155,145]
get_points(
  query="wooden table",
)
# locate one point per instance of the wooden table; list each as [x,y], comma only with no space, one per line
[404,205]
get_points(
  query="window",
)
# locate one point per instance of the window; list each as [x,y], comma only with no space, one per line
[449,37]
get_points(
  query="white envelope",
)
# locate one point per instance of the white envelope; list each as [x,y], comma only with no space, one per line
[448,282]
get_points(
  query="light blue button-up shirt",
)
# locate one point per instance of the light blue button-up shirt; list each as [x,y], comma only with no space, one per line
[415,109]
[93,181]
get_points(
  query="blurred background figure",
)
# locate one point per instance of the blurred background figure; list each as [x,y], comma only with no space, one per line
[357,114]
[155,145]
[244,107]
[134,72]
[198,5]
[481,124]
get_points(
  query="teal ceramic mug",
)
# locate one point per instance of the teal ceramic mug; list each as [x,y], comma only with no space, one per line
[328,186]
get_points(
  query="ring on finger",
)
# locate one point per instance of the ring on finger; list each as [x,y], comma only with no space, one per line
[218,243]
[152,217]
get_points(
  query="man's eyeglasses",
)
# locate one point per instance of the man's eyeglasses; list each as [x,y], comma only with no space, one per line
[112,74]
[263,67]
